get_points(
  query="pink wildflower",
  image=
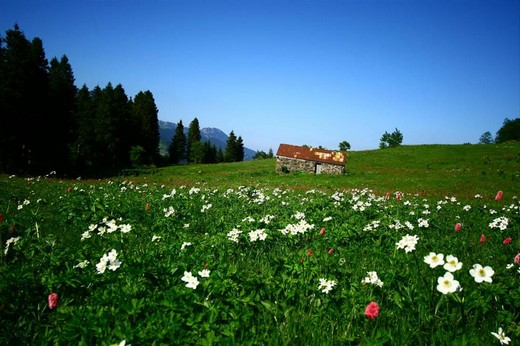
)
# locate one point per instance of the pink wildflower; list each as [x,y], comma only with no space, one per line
[482,238]
[507,241]
[517,258]
[322,231]
[53,300]
[458,226]
[498,197]
[331,251]
[372,310]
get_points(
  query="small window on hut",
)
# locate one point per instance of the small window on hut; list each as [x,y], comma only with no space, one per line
[317,168]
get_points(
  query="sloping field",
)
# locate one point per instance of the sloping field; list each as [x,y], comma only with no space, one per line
[432,170]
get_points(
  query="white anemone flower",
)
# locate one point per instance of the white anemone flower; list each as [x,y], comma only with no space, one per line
[452,264]
[482,273]
[204,273]
[501,336]
[447,284]
[434,260]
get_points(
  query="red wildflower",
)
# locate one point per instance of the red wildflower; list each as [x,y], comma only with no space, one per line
[1,218]
[331,251]
[398,196]
[482,239]
[507,241]
[372,310]
[53,300]
[309,252]
[322,231]
[498,197]
[517,258]
[458,226]
[147,206]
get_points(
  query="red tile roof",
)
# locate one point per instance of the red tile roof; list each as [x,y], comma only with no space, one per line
[312,154]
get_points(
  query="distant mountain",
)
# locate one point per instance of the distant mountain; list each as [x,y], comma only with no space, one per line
[211,134]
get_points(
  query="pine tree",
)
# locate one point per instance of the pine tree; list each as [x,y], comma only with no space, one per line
[239,149]
[145,115]
[230,147]
[221,156]
[209,153]
[23,102]
[83,144]
[193,137]
[62,94]
[177,148]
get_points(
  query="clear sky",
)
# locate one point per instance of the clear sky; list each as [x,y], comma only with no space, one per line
[297,72]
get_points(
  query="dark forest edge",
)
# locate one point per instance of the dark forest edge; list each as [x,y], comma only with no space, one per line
[51,125]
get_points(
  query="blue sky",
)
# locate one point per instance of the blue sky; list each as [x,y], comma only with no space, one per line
[297,72]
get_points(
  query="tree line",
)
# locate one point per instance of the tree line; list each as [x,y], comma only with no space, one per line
[189,148]
[510,131]
[48,124]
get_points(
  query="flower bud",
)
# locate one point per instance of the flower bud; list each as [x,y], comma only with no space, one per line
[53,300]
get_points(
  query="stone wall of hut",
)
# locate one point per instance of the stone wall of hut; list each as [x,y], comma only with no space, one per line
[287,165]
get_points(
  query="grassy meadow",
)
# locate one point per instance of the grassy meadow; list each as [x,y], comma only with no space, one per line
[413,245]
[428,170]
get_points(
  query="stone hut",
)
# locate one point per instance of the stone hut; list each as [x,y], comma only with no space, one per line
[291,158]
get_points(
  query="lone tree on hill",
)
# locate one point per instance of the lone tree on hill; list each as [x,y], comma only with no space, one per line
[486,138]
[391,140]
[344,146]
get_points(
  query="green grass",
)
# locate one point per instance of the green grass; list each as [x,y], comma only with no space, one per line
[428,170]
[266,292]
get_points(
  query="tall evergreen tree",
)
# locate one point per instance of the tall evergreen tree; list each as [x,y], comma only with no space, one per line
[177,148]
[83,144]
[209,152]
[221,156]
[114,127]
[239,149]
[23,99]
[193,137]
[62,94]
[197,152]
[145,114]
[231,151]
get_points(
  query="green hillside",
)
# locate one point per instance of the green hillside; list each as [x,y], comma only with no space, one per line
[434,170]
